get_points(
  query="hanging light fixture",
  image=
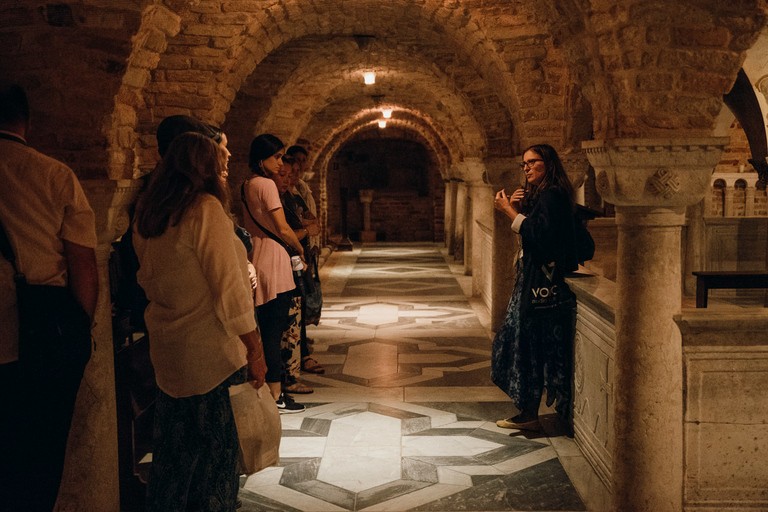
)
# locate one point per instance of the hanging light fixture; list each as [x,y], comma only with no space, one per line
[382,124]
[387,113]
[370,77]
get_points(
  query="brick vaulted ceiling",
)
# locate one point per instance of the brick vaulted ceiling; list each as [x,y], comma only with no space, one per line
[470,78]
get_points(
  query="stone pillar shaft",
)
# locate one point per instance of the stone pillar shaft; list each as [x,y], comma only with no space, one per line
[651,182]
[91,480]
[728,202]
[749,209]
[90,470]
[450,214]
[460,221]
[648,468]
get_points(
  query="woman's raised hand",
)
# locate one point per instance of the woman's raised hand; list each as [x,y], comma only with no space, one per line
[509,205]
[516,199]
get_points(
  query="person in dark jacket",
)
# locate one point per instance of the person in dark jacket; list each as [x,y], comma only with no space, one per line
[532,352]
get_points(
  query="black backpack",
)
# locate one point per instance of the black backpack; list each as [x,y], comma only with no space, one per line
[585,245]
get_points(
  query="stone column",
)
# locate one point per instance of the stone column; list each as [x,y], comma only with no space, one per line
[460,221]
[451,187]
[728,200]
[749,207]
[91,480]
[650,182]
[366,197]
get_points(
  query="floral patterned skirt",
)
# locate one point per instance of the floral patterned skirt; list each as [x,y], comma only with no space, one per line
[533,354]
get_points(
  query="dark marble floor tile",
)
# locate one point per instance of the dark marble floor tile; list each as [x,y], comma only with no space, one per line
[508,452]
[459,341]
[387,492]
[256,503]
[485,411]
[300,433]
[412,469]
[541,487]
[544,486]
[303,471]
[455,460]
[350,410]
[343,377]
[393,412]
[316,425]
[461,378]
[326,492]
[445,432]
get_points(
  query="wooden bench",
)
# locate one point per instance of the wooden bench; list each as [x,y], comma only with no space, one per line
[711,280]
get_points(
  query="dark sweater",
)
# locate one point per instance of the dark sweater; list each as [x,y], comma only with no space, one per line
[547,230]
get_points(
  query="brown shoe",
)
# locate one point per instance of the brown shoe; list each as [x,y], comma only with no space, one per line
[533,425]
[309,365]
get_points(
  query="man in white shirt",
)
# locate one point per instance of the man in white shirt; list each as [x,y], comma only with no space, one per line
[51,228]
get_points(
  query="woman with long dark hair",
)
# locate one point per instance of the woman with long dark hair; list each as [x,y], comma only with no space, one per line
[532,351]
[200,319]
[264,219]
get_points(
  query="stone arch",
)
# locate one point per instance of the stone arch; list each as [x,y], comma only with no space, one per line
[327,177]
[428,90]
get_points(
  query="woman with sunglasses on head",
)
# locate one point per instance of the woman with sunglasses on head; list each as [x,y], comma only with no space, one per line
[264,218]
[532,351]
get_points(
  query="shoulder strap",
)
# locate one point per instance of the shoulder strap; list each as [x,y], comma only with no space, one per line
[7,251]
[271,235]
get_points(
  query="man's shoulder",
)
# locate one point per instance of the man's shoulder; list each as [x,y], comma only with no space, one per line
[17,155]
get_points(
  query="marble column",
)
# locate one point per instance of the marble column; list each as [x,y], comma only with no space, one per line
[650,182]
[460,221]
[366,198]
[451,187]
[749,207]
[728,201]
[91,480]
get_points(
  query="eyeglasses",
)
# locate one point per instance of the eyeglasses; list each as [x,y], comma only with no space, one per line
[529,163]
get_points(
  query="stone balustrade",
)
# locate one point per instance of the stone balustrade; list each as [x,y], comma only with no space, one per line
[736,194]
[725,364]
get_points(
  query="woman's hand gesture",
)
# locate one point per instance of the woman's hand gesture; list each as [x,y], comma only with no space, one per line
[516,200]
[509,205]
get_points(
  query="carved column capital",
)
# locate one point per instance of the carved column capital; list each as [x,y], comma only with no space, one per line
[366,195]
[654,172]
[576,166]
[111,201]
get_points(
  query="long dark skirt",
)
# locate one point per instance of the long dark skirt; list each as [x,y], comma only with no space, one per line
[531,354]
[194,460]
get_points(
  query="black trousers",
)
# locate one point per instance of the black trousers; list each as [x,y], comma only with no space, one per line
[35,417]
[272,318]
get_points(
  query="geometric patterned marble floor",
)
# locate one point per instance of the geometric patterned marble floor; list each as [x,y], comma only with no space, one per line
[404,417]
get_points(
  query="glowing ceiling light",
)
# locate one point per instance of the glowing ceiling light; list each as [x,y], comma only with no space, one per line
[382,124]
[370,77]
[387,113]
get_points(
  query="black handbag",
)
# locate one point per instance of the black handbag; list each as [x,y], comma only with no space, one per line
[544,290]
[54,330]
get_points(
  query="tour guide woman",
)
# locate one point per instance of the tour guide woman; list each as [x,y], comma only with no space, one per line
[533,349]
[200,319]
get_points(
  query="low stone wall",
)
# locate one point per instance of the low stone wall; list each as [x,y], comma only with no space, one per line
[594,371]
[725,357]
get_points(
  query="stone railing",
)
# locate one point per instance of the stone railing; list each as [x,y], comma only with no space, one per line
[743,201]
[725,356]
[594,371]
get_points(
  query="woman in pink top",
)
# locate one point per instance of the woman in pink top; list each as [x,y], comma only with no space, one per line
[264,211]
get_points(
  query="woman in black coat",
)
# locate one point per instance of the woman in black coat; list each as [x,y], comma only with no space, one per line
[532,351]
